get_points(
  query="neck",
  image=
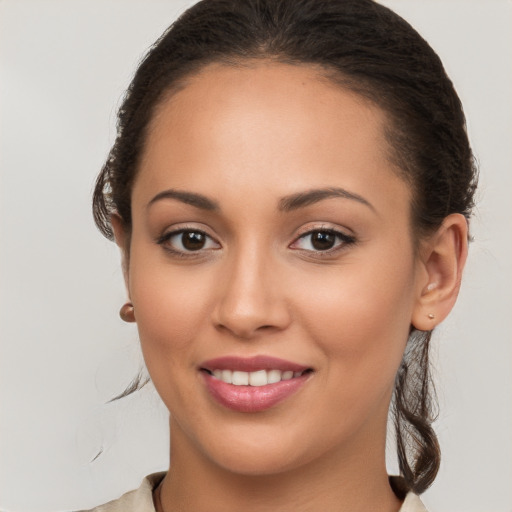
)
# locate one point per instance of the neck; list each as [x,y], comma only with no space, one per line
[354,481]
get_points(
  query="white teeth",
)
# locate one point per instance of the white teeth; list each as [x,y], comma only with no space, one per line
[274,376]
[240,378]
[227,376]
[257,378]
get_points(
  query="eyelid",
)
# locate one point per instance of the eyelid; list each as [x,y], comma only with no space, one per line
[308,227]
[177,230]
[185,226]
[346,239]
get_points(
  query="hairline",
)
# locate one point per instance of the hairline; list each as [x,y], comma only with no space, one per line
[361,88]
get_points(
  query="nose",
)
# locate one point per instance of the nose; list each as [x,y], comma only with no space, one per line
[251,297]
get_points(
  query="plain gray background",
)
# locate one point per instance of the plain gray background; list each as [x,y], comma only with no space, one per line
[64,352]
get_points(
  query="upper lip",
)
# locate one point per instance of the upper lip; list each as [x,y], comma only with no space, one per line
[252,364]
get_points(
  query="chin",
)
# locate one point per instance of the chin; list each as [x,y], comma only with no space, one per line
[261,463]
[261,452]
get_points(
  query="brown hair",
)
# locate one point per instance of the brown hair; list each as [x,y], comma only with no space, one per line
[364,47]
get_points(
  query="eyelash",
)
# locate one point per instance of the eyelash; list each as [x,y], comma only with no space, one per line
[346,240]
[343,239]
[162,240]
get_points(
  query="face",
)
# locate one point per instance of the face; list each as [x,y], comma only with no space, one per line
[271,236]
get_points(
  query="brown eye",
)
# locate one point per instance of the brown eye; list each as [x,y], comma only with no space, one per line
[323,240]
[193,240]
[187,241]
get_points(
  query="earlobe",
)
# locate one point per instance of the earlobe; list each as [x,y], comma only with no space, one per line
[443,259]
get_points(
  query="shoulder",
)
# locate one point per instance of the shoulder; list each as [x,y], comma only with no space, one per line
[139,500]
[412,502]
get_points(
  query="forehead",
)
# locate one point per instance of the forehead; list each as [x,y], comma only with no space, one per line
[265,126]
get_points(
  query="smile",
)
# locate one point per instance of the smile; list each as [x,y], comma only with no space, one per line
[257,378]
[254,384]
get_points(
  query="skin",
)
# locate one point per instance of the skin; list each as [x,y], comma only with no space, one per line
[246,137]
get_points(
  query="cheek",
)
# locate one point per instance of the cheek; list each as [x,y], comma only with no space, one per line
[171,303]
[360,317]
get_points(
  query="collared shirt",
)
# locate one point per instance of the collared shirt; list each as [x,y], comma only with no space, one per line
[141,500]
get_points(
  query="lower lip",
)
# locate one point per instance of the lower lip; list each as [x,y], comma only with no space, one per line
[252,398]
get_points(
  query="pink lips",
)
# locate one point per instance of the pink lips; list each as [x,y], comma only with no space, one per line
[252,398]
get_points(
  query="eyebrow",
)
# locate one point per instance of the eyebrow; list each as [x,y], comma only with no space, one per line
[303,199]
[191,198]
[286,204]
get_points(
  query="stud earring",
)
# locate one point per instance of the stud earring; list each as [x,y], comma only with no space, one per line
[127,312]
[431,286]
[431,316]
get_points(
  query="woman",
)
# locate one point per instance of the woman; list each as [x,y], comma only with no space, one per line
[290,190]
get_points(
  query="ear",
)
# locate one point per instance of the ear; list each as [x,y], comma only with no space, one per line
[443,257]
[122,240]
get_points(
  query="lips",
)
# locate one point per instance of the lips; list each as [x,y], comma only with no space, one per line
[252,364]
[252,384]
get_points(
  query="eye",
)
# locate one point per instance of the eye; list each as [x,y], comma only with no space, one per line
[322,240]
[188,240]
